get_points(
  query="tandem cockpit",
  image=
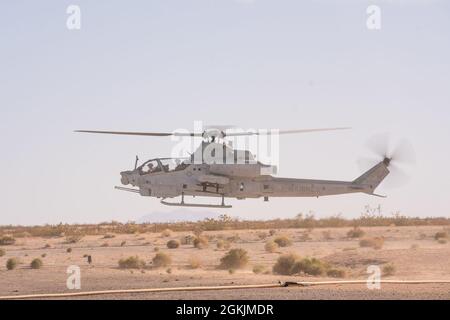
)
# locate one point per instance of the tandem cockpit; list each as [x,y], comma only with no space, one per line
[160,165]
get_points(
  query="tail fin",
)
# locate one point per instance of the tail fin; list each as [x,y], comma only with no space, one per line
[373,177]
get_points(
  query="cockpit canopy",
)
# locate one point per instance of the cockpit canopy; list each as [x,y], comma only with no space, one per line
[162,165]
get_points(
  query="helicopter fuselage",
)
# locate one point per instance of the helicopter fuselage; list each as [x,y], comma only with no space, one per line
[241,181]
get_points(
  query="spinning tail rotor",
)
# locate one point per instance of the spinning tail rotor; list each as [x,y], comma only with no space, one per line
[395,158]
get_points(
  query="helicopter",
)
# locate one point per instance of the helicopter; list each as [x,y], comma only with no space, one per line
[217,170]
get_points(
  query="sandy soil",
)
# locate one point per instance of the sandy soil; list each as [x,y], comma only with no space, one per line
[412,250]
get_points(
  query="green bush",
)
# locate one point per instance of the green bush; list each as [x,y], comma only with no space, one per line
[283,241]
[285,264]
[234,259]
[161,259]
[131,263]
[309,266]
[36,263]
[173,244]
[336,273]
[12,263]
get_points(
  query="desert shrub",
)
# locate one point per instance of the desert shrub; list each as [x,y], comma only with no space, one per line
[109,236]
[258,269]
[133,262]
[197,231]
[389,269]
[442,241]
[271,246]
[173,244]
[441,235]
[12,263]
[47,245]
[161,259]
[285,264]
[233,238]
[234,259]
[223,244]
[376,243]
[43,255]
[69,250]
[336,273]
[187,239]
[356,232]
[123,243]
[283,241]
[7,241]
[2,252]
[73,239]
[311,266]
[262,235]
[272,232]
[231,271]
[36,263]
[194,262]
[166,233]
[169,270]
[105,244]
[200,242]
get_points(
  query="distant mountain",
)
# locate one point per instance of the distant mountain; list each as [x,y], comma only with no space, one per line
[177,215]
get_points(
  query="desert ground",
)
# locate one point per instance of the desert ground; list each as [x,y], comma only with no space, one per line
[412,252]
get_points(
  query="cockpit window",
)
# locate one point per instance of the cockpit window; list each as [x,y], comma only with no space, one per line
[173,165]
[149,167]
[162,165]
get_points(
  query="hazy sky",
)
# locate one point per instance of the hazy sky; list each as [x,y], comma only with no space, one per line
[161,65]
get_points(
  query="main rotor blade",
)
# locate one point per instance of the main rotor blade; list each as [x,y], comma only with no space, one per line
[154,134]
[249,133]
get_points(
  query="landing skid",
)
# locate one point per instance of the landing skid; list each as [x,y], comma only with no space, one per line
[198,205]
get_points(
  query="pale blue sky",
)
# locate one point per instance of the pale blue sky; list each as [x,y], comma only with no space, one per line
[160,65]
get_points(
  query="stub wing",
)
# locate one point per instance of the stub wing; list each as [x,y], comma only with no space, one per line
[213,179]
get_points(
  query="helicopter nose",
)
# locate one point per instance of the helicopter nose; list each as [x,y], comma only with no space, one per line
[124,178]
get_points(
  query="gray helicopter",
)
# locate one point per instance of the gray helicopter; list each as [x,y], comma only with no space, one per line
[215,169]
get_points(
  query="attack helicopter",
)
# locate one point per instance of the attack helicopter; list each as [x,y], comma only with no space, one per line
[218,170]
